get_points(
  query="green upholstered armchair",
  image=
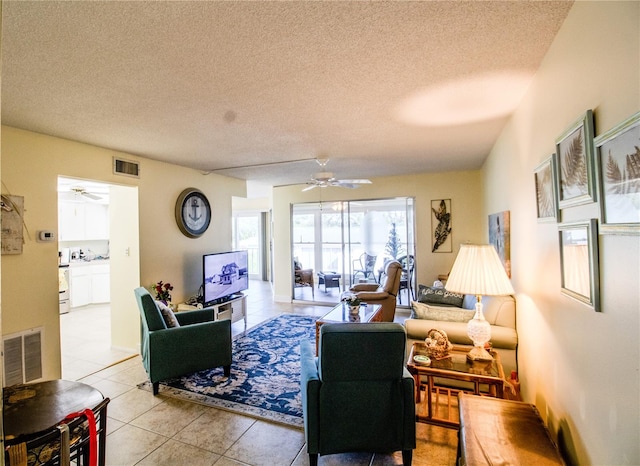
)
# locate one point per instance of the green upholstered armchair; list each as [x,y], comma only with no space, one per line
[357,395]
[198,343]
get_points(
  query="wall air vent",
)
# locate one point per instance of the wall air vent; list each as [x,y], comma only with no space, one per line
[22,356]
[126,167]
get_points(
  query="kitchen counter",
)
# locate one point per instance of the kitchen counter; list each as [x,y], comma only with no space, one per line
[82,262]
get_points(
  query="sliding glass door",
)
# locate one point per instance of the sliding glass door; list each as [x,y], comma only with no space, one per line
[341,243]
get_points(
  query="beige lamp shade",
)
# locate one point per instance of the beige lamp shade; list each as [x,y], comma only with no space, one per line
[478,270]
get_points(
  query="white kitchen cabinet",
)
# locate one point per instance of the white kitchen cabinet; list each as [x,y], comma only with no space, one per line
[80,285]
[100,284]
[79,221]
[96,221]
[89,283]
[71,221]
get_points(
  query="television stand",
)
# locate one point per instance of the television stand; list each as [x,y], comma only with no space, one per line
[233,309]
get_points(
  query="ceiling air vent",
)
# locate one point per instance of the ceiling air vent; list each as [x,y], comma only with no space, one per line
[126,167]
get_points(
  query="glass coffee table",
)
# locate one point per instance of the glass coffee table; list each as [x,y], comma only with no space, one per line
[483,378]
[340,313]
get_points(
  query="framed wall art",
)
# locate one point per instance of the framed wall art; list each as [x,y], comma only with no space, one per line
[500,237]
[441,225]
[575,180]
[546,198]
[618,162]
[580,273]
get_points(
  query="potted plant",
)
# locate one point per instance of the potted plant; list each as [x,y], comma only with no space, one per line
[353,302]
[163,292]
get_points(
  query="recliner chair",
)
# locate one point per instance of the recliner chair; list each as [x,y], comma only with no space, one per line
[385,293]
[357,395]
[198,343]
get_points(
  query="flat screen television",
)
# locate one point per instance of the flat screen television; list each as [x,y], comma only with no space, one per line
[224,274]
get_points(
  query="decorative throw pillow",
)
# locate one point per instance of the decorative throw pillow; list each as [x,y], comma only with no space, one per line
[439,296]
[168,315]
[449,314]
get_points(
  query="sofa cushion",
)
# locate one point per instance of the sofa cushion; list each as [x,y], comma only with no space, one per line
[446,314]
[439,296]
[168,315]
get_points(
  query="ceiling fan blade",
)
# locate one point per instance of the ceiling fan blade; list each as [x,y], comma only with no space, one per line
[361,181]
[91,196]
[346,185]
[309,188]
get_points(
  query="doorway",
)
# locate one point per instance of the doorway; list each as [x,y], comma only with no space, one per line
[337,244]
[86,222]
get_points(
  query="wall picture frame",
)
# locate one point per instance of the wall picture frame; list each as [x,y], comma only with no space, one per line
[618,162]
[500,237]
[575,179]
[579,262]
[441,226]
[546,193]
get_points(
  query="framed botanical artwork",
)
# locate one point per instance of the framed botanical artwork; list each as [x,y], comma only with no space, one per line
[618,162]
[575,180]
[580,273]
[500,237]
[546,199]
[441,225]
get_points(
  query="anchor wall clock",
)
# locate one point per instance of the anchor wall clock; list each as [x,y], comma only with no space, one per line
[193,212]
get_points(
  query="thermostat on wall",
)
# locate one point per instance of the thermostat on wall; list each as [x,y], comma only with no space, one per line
[46,236]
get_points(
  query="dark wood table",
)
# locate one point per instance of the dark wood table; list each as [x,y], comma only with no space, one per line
[455,367]
[32,412]
[340,313]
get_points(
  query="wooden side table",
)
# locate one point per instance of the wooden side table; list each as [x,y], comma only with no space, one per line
[31,413]
[454,367]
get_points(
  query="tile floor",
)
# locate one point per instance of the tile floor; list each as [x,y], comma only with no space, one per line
[148,430]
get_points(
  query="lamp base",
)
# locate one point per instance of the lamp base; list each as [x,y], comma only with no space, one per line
[478,353]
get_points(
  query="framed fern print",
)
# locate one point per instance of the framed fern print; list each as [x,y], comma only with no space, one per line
[546,198]
[576,168]
[618,160]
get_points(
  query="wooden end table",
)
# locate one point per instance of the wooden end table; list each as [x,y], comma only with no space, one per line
[340,313]
[456,366]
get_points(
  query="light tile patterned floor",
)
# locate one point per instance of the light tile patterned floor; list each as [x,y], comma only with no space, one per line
[148,430]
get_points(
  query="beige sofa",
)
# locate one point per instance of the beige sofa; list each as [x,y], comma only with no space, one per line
[499,311]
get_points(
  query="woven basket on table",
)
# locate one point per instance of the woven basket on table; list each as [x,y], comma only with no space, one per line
[437,344]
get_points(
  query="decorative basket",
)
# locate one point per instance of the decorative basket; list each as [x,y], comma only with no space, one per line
[437,343]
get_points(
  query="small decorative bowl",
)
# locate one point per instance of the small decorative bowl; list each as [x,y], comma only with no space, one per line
[422,360]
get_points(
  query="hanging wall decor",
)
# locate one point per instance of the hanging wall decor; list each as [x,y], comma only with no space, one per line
[579,262]
[576,172]
[441,225]
[12,211]
[618,159]
[500,237]
[546,198]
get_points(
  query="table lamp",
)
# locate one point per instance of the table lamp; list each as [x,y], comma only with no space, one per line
[478,270]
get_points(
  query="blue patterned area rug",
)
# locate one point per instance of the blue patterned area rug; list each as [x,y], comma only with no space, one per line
[265,373]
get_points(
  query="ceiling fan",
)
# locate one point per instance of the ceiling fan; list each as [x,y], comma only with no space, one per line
[83,192]
[323,178]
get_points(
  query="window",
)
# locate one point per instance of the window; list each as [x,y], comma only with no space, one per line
[334,236]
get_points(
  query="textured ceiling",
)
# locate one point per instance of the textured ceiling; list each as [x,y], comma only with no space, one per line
[381,88]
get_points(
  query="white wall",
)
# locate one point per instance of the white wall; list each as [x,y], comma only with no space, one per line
[581,368]
[30,165]
[468,224]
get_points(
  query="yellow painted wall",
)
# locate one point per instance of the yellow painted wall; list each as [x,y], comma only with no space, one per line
[581,368]
[30,166]
[468,224]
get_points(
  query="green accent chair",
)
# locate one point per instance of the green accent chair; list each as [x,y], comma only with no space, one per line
[357,395]
[199,343]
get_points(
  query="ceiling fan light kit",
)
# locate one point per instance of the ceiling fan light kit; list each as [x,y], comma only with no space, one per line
[324,179]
